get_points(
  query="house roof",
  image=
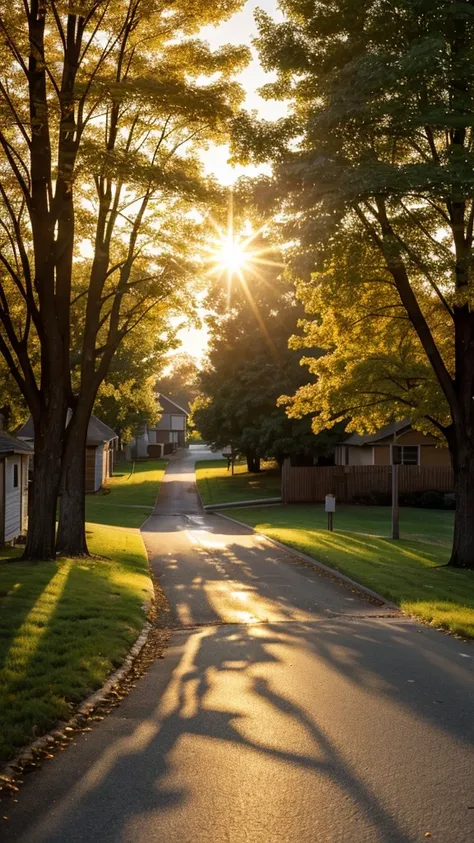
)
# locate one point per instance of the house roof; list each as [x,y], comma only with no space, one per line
[97,431]
[383,433]
[181,410]
[11,445]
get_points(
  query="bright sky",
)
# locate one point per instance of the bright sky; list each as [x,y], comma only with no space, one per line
[240,29]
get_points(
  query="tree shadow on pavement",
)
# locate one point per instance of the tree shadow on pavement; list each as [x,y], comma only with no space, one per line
[226,689]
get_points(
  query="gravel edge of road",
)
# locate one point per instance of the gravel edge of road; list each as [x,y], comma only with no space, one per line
[332,572]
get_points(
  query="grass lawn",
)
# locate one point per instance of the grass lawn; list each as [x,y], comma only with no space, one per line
[64,627]
[407,572]
[217,485]
[128,498]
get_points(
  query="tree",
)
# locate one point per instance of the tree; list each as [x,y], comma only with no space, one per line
[374,370]
[382,156]
[181,381]
[13,410]
[126,399]
[102,110]
[249,366]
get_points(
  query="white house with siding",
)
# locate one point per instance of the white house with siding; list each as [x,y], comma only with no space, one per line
[14,465]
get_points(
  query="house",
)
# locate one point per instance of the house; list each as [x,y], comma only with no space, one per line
[14,465]
[164,437]
[172,426]
[101,444]
[397,444]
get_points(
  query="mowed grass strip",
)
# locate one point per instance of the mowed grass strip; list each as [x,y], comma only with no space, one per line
[129,495]
[64,627]
[216,484]
[411,572]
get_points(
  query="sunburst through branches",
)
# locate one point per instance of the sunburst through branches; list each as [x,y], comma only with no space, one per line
[237,257]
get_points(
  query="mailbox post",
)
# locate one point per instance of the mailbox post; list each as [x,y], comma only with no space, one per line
[330,506]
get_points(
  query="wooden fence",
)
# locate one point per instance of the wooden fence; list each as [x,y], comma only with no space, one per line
[349,482]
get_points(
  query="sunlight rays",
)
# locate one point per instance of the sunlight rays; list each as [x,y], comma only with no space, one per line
[235,254]
[238,256]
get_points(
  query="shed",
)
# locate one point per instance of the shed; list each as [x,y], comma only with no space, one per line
[14,466]
[100,446]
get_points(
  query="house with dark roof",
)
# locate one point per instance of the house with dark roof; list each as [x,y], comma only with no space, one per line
[394,444]
[163,437]
[102,442]
[14,467]
[172,425]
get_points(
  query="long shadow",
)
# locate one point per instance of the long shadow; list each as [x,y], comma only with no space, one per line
[106,790]
[381,655]
[21,587]
[129,778]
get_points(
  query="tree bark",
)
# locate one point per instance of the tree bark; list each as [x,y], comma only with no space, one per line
[44,489]
[71,539]
[462,555]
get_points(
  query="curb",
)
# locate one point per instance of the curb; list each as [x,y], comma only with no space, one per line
[318,565]
[211,507]
[28,754]
[198,493]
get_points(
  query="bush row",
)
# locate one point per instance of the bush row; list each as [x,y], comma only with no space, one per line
[425,500]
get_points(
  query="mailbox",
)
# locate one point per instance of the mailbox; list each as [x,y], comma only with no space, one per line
[330,503]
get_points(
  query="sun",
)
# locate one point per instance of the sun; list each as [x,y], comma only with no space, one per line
[238,257]
[230,255]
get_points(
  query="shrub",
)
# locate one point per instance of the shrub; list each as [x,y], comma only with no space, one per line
[381,498]
[449,500]
[432,500]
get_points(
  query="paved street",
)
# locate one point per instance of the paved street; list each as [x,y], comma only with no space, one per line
[286,709]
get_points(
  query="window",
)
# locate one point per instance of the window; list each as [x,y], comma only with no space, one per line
[405,455]
[15,475]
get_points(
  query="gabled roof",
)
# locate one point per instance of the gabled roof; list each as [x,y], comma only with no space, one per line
[97,431]
[181,410]
[11,445]
[383,433]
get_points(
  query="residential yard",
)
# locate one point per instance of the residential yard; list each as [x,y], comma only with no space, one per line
[217,485]
[407,572]
[64,627]
[128,497]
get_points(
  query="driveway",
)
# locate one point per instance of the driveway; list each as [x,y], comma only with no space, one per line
[287,708]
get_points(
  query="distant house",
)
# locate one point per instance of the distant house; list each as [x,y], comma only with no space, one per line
[395,444]
[14,465]
[172,426]
[101,444]
[164,437]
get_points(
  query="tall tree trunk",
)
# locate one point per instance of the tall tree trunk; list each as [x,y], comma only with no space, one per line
[71,540]
[44,490]
[462,555]
[253,462]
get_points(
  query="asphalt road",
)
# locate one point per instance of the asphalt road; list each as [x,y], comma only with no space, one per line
[286,709]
